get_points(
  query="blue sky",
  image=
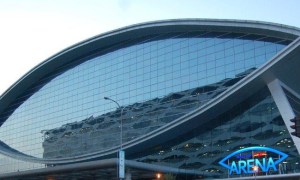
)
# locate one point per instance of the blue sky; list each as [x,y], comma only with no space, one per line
[33,30]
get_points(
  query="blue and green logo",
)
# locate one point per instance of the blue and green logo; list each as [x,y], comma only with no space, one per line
[249,160]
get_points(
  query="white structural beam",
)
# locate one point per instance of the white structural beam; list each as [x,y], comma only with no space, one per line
[284,107]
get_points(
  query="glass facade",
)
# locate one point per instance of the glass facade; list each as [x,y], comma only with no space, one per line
[156,80]
[254,122]
[102,132]
[294,101]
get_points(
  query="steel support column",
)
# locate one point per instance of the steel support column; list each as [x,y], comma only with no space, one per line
[284,107]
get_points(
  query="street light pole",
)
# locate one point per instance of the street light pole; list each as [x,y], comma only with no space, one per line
[121,120]
[121,152]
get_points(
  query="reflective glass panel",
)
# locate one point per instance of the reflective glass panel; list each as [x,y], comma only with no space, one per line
[155,81]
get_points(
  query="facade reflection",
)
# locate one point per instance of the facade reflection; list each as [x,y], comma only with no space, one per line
[157,79]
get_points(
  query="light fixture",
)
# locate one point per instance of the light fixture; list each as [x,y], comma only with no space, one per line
[255,169]
[158,175]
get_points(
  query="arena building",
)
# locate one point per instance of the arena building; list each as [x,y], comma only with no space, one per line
[187,98]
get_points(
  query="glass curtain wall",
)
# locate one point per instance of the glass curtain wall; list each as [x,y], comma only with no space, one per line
[254,122]
[64,114]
